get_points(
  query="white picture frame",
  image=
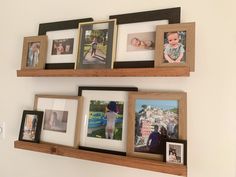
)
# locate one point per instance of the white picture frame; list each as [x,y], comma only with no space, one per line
[55,103]
[105,94]
[122,54]
[62,35]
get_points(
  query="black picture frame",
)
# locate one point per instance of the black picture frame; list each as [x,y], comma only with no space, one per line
[106,89]
[170,14]
[90,58]
[57,26]
[31,125]
[182,160]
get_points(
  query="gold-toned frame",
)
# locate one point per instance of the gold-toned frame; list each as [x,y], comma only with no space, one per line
[190,44]
[182,131]
[79,108]
[43,40]
[79,64]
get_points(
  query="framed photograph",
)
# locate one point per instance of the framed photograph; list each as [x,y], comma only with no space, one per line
[104,119]
[176,152]
[96,45]
[62,43]
[31,124]
[154,117]
[137,34]
[175,45]
[34,52]
[60,122]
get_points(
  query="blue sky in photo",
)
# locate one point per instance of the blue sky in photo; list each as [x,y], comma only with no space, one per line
[163,104]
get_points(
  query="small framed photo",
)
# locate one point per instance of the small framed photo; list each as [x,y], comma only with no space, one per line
[97,42]
[60,122]
[62,43]
[104,119]
[31,126]
[34,52]
[175,45]
[175,152]
[136,36]
[154,117]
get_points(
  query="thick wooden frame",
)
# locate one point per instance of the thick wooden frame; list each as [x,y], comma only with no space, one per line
[57,26]
[189,28]
[39,115]
[182,127]
[105,90]
[111,45]
[170,14]
[180,142]
[42,51]
[77,120]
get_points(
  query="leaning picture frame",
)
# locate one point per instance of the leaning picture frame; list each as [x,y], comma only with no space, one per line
[34,52]
[97,41]
[104,118]
[136,36]
[62,42]
[60,121]
[175,151]
[154,117]
[31,124]
[180,53]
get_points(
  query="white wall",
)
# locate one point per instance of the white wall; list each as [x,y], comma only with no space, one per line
[211,88]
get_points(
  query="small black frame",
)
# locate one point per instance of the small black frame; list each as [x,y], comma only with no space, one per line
[170,14]
[176,142]
[56,26]
[101,88]
[31,125]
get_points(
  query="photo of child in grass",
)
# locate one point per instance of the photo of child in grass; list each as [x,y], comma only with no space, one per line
[95,46]
[105,119]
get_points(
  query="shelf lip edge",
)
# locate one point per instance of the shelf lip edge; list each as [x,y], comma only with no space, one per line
[121,72]
[125,161]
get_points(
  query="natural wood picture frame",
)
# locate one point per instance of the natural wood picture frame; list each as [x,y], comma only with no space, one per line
[34,52]
[62,128]
[139,123]
[186,37]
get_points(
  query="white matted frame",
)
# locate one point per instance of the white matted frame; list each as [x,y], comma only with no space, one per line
[124,43]
[60,36]
[118,94]
[64,32]
[140,23]
[69,104]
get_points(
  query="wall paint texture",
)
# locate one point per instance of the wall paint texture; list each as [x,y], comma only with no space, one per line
[211,88]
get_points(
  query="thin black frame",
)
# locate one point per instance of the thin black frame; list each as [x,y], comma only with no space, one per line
[57,26]
[179,141]
[38,126]
[171,14]
[80,90]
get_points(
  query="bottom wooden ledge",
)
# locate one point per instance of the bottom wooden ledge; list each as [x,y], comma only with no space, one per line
[132,162]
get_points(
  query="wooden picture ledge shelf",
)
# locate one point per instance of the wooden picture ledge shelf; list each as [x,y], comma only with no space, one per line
[132,162]
[124,72]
